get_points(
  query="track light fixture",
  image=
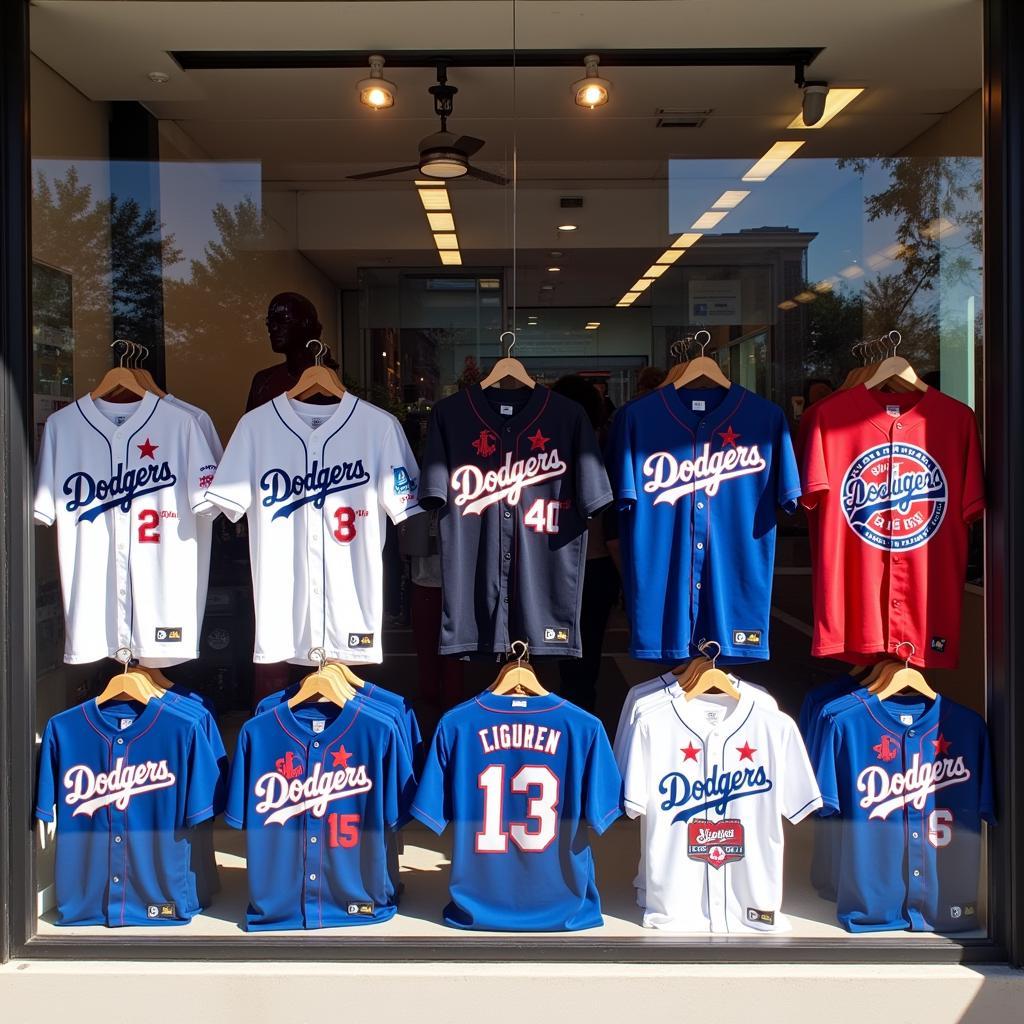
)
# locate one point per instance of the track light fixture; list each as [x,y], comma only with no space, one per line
[376,92]
[815,95]
[593,90]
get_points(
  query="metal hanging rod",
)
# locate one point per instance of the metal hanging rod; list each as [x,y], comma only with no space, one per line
[798,57]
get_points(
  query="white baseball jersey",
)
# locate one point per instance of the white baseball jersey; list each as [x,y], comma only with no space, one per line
[124,483]
[204,527]
[713,778]
[316,482]
[643,699]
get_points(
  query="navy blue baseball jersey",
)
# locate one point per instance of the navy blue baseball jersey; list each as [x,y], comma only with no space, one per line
[316,789]
[394,703]
[912,781]
[699,474]
[128,785]
[519,777]
[516,474]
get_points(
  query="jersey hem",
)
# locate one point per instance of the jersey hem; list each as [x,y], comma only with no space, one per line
[808,808]
[159,660]
[598,503]
[733,655]
[435,826]
[606,820]
[43,518]
[344,654]
[230,508]
[868,653]
[559,651]
[407,513]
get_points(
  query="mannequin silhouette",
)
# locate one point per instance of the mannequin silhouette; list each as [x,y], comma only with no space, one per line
[291,323]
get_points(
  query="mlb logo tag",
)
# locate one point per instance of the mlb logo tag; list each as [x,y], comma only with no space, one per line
[746,637]
[168,634]
[158,910]
[760,916]
[556,634]
[360,639]
[360,910]
[938,643]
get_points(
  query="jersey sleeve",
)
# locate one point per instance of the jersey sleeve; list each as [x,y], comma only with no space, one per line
[593,491]
[397,812]
[232,487]
[201,468]
[238,782]
[44,507]
[210,435]
[46,785]
[620,459]
[397,488]
[433,802]
[434,476]
[799,794]
[602,784]
[202,780]
[825,759]
[635,794]
[213,737]
[624,731]
[787,475]
[813,465]
[974,476]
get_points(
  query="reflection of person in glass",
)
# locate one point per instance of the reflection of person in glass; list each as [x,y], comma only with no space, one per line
[291,323]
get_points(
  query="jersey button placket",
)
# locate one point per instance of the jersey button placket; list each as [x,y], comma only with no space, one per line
[122,547]
[311,830]
[507,526]
[699,517]
[317,577]
[717,879]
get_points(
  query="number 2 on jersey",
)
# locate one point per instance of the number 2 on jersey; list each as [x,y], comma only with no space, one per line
[542,809]
[149,520]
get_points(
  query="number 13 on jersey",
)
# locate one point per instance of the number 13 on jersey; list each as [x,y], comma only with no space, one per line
[540,784]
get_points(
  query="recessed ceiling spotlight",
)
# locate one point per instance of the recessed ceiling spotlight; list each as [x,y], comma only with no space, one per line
[813,107]
[554,270]
[556,255]
[376,92]
[593,90]
[567,227]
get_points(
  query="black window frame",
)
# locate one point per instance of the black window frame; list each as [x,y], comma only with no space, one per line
[1003,99]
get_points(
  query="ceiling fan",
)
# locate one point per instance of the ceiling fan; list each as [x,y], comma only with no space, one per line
[443,154]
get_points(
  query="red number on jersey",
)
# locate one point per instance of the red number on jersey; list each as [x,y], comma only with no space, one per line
[149,520]
[345,531]
[344,830]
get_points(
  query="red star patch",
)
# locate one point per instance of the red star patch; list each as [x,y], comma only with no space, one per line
[538,440]
[690,752]
[728,436]
[147,450]
[941,745]
[341,758]
[746,752]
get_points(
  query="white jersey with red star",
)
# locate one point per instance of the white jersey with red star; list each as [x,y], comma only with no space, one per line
[124,483]
[713,777]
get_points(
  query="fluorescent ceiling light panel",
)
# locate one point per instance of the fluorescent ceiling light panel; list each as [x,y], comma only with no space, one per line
[686,240]
[441,221]
[446,241]
[787,305]
[772,161]
[642,284]
[434,198]
[805,297]
[655,270]
[730,200]
[669,256]
[428,183]
[451,258]
[706,221]
[623,304]
[835,101]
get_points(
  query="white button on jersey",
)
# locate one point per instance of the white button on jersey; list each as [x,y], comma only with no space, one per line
[316,483]
[713,778]
[124,483]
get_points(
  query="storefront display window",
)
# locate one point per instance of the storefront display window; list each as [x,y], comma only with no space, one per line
[670,633]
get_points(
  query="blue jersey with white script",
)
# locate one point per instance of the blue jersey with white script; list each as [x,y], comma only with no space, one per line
[912,781]
[316,789]
[125,784]
[699,474]
[519,778]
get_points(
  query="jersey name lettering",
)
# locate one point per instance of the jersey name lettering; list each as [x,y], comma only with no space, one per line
[675,478]
[116,492]
[314,487]
[478,490]
[885,792]
[715,792]
[289,797]
[91,790]
[519,736]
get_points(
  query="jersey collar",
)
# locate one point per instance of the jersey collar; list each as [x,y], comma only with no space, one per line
[888,712]
[509,704]
[498,423]
[143,409]
[101,720]
[333,415]
[691,714]
[302,733]
[878,416]
[679,404]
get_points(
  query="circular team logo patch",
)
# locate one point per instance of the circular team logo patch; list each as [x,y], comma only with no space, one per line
[895,496]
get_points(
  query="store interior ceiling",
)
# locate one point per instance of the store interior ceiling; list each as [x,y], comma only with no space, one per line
[306,130]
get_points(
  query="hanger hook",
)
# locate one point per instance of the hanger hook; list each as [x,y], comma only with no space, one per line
[512,343]
[703,648]
[319,657]
[124,343]
[895,337]
[124,655]
[703,345]
[913,651]
[676,350]
[144,350]
[318,358]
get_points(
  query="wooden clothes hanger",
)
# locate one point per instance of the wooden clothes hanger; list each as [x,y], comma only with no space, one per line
[119,377]
[895,370]
[679,348]
[134,685]
[516,676]
[703,367]
[708,678]
[508,368]
[897,677]
[319,685]
[318,377]
[144,377]
[345,673]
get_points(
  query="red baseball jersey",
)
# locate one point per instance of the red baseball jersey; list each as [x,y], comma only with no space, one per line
[892,481]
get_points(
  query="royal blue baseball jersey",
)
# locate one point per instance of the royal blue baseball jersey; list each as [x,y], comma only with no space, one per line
[316,789]
[699,474]
[519,777]
[128,784]
[516,474]
[912,781]
[395,704]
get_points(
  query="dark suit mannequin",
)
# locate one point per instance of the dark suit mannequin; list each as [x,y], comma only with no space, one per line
[291,323]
